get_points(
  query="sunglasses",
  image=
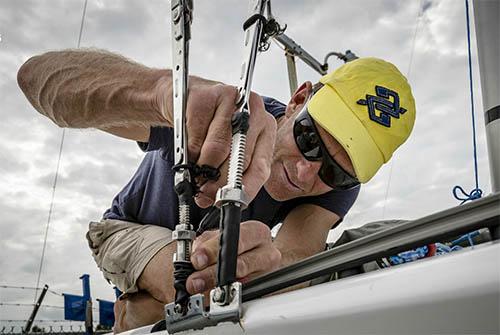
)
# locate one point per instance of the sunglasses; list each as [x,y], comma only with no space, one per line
[313,149]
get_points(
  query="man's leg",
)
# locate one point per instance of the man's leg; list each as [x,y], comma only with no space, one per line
[137,310]
[123,251]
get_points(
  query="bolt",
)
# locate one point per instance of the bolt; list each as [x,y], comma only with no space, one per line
[178,308]
[219,295]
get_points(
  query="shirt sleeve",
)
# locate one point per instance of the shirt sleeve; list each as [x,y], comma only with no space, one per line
[159,137]
[274,107]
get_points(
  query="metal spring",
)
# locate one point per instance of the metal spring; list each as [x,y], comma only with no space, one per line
[184,214]
[237,161]
[187,250]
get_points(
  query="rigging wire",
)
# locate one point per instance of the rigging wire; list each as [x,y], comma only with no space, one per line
[13,304]
[29,288]
[44,320]
[408,73]
[28,305]
[56,175]
[417,25]
[476,193]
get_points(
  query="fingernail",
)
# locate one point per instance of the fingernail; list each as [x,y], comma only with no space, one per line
[200,261]
[199,285]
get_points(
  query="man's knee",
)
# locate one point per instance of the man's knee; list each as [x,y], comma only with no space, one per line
[122,249]
[137,310]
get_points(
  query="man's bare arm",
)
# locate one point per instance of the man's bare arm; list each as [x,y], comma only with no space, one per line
[96,89]
[86,88]
[304,232]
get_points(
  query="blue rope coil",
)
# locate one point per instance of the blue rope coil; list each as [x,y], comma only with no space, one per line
[473,195]
[477,192]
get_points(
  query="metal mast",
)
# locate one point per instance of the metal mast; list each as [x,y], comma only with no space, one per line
[487,23]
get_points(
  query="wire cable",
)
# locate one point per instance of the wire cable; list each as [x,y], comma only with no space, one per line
[408,72]
[11,304]
[29,288]
[476,193]
[28,305]
[417,25]
[54,185]
[44,320]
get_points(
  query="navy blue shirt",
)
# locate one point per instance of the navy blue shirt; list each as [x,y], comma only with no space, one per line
[149,197]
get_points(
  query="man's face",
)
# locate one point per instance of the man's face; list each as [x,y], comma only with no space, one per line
[292,175]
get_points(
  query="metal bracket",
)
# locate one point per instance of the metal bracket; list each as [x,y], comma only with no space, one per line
[197,318]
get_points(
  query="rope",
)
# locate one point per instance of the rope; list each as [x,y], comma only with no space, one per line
[476,193]
[56,175]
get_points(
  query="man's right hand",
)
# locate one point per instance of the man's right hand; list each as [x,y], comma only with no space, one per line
[209,110]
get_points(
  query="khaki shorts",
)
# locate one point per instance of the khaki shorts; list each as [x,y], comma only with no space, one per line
[122,249]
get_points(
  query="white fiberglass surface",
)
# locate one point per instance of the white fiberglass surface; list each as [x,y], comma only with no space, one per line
[453,293]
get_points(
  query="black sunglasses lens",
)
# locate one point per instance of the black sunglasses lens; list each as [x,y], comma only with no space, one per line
[307,140]
[333,176]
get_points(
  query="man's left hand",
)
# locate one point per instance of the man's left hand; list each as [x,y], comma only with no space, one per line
[256,255]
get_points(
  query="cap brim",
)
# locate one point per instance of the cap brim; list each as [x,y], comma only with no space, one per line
[334,116]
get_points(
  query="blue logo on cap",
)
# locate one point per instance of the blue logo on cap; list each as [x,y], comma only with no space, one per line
[382,102]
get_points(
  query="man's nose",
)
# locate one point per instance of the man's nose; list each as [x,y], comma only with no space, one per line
[307,170]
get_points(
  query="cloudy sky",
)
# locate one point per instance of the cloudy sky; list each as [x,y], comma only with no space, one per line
[426,39]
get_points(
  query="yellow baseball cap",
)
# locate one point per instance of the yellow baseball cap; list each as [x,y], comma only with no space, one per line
[368,107]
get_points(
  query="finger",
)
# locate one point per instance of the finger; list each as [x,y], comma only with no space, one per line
[249,265]
[252,235]
[203,200]
[206,252]
[217,144]
[205,236]
[259,150]
[254,248]
[201,281]
[259,260]
[260,167]
[200,111]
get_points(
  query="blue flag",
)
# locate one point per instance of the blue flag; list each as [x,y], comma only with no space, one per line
[74,307]
[106,313]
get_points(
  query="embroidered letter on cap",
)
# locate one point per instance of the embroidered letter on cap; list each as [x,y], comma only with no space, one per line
[384,105]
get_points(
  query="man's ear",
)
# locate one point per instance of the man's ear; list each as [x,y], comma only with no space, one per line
[298,98]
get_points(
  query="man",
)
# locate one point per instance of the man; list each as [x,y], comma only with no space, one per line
[304,163]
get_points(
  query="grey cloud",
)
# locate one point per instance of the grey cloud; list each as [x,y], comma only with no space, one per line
[426,5]
[39,26]
[124,20]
